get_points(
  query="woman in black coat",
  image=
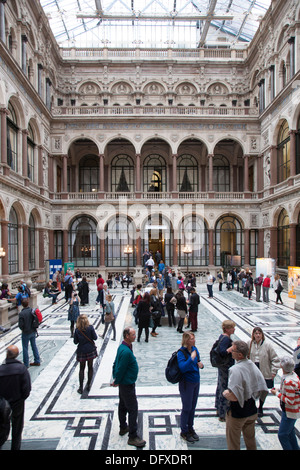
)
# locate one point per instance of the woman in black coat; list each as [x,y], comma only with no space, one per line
[83,291]
[143,315]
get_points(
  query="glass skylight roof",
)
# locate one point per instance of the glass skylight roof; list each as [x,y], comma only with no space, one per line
[154,23]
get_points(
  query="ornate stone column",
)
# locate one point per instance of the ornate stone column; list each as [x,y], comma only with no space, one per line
[174,173]
[25,248]
[246,247]
[101,175]
[292,155]
[3,114]
[210,172]
[273,165]
[65,176]
[41,248]
[138,175]
[246,173]
[24,154]
[293,241]
[2,21]
[65,246]
[273,242]
[50,173]
[211,260]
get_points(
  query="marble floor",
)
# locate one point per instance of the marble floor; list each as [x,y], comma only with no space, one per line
[58,418]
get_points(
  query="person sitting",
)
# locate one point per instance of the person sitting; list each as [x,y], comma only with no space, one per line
[50,292]
[125,278]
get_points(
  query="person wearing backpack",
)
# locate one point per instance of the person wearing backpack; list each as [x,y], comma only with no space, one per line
[19,297]
[189,364]
[15,387]
[28,334]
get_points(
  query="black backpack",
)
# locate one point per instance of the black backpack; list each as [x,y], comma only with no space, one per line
[35,323]
[216,359]
[172,372]
[5,416]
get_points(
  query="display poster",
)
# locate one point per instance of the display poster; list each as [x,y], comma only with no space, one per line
[69,266]
[293,280]
[54,265]
[266,266]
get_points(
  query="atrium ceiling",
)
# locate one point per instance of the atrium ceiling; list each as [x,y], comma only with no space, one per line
[154,23]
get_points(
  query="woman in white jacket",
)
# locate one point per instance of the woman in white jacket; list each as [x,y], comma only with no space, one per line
[262,353]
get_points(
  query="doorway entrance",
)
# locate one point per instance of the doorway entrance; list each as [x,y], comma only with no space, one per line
[157,236]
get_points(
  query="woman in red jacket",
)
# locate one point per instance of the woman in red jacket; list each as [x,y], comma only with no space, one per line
[266,288]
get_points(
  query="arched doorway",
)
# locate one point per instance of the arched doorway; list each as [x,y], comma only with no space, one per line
[158,237]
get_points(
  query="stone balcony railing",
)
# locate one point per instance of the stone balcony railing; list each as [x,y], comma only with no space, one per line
[157,196]
[139,53]
[153,111]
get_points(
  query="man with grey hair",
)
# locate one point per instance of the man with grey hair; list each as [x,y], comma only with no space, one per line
[289,396]
[15,387]
[245,385]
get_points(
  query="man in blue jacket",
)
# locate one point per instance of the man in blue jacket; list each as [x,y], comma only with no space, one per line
[125,371]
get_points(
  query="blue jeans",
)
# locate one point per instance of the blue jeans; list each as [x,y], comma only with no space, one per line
[286,433]
[189,392]
[26,338]
[210,290]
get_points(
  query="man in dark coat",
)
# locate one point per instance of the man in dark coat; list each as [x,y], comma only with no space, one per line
[194,301]
[15,387]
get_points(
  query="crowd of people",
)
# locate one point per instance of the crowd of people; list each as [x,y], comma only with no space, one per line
[245,376]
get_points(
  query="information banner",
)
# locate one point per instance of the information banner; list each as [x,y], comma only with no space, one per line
[266,266]
[54,265]
[294,280]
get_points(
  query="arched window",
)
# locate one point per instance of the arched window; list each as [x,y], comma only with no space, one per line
[229,242]
[12,138]
[119,233]
[83,242]
[193,232]
[13,252]
[155,174]
[283,153]
[89,174]
[31,243]
[187,174]
[283,239]
[30,153]
[122,174]
[221,174]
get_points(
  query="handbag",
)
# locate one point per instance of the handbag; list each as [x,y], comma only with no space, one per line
[109,316]
[279,288]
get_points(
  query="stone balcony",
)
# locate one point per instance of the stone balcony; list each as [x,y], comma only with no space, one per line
[157,196]
[139,111]
[225,53]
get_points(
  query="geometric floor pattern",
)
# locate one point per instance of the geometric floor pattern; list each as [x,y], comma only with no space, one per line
[58,418]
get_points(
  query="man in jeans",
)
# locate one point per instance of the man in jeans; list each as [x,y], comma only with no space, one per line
[125,371]
[28,334]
